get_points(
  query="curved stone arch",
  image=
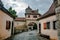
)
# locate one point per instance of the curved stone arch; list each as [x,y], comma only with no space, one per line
[31,25]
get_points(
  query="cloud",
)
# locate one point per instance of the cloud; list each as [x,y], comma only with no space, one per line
[21,5]
[17,6]
[21,13]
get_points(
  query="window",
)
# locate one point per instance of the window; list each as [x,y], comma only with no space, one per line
[28,16]
[8,24]
[54,24]
[34,16]
[44,25]
[47,25]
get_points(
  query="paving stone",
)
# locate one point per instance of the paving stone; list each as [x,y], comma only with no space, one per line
[31,35]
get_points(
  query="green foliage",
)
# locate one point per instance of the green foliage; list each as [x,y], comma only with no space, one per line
[1,3]
[13,12]
[35,26]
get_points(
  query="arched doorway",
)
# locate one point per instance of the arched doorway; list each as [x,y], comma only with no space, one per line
[32,26]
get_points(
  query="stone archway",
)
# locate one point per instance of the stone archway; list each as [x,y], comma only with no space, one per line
[32,26]
[35,26]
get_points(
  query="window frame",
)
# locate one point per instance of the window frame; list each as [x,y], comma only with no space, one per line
[34,16]
[8,25]
[28,16]
[45,27]
[54,25]
[48,25]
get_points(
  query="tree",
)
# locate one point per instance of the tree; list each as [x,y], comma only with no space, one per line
[35,26]
[13,12]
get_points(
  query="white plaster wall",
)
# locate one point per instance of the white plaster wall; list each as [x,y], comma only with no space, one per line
[18,23]
[51,32]
[3,18]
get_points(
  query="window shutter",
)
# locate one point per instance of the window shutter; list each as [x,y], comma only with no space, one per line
[54,24]
[7,24]
[45,26]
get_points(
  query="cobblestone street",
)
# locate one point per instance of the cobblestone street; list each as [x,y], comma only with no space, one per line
[31,35]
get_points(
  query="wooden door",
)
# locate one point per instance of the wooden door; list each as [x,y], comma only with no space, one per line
[39,28]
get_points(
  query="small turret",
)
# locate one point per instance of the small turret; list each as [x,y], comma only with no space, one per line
[28,10]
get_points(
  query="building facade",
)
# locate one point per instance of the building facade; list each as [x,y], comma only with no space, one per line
[6,20]
[47,23]
[30,19]
[57,10]
[20,24]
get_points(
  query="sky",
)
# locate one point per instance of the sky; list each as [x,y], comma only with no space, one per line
[20,5]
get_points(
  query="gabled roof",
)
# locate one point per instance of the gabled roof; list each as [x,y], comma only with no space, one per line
[33,12]
[6,11]
[49,13]
[20,19]
[51,10]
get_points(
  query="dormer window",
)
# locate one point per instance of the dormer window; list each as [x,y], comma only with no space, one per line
[35,16]
[28,16]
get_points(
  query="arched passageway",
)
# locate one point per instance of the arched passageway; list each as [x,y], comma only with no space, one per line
[32,26]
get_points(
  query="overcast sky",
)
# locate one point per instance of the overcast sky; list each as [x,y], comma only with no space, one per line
[21,5]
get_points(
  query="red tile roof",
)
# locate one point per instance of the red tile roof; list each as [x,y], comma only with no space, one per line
[20,19]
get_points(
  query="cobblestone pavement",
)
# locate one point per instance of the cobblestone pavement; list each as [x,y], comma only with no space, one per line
[31,35]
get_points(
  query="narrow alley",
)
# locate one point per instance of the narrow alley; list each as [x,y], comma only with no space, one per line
[30,35]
